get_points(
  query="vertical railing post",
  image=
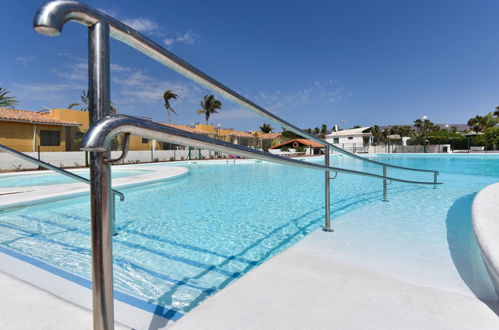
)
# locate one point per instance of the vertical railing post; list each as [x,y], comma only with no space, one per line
[100,180]
[327,182]
[435,174]
[385,185]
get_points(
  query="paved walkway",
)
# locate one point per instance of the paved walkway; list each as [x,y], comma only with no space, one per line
[24,306]
[302,290]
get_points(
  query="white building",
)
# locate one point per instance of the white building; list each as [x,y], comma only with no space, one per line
[351,139]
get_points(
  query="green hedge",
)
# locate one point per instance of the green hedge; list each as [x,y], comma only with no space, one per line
[459,143]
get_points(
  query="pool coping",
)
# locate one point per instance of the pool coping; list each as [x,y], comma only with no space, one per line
[15,197]
[485,218]
[130,311]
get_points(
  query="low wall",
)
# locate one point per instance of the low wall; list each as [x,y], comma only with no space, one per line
[485,217]
[77,158]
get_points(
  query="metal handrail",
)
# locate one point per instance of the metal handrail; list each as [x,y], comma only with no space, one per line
[49,20]
[52,16]
[52,168]
[99,136]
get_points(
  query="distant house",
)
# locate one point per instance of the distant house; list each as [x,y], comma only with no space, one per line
[351,138]
[51,130]
[310,147]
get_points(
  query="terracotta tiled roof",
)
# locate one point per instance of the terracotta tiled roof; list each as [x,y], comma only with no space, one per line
[308,143]
[363,131]
[270,135]
[187,128]
[244,134]
[33,117]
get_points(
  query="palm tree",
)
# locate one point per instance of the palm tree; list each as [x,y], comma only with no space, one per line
[476,123]
[209,105]
[167,96]
[266,128]
[323,131]
[5,100]
[85,100]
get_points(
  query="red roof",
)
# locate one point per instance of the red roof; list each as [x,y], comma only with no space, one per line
[308,143]
[32,117]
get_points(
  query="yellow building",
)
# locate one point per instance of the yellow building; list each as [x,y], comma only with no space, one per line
[28,130]
[63,129]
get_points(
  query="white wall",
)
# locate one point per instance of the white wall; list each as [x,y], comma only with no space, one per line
[344,140]
[77,158]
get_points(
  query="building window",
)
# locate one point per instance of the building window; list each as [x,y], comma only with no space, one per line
[144,140]
[336,140]
[50,138]
[350,137]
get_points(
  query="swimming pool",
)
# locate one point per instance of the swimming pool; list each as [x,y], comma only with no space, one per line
[49,178]
[184,240]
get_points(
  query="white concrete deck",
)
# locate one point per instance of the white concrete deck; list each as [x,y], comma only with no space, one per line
[300,289]
[485,215]
[17,196]
[28,307]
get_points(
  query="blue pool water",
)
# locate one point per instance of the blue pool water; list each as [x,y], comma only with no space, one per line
[49,177]
[184,240]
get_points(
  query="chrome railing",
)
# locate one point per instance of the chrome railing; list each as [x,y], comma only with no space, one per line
[51,167]
[52,16]
[99,136]
[49,20]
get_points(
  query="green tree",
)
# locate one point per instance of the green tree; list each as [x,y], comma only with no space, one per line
[266,128]
[496,113]
[317,131]
[85,100]
[492,136]
[475,124]
[404,130]
[377,135]
[7,101]
[167,96]
[357,126]
[488,121]
[209,105]
[423,129]
[323,131]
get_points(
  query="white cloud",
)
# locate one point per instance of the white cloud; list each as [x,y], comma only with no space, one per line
[142,24]
[236,114]
[118,68]
[26,60]
[188,38]
[326,92]
[169,41]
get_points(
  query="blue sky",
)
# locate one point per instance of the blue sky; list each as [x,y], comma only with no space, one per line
[311,62]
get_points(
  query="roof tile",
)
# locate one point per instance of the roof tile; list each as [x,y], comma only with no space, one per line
[32,117]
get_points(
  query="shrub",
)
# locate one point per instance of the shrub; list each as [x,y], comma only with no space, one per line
[300,149]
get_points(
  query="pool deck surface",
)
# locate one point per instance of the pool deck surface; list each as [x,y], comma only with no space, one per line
[28,307]
[29,195]
[302,289]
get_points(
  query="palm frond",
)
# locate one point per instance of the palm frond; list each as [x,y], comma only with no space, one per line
[7,101]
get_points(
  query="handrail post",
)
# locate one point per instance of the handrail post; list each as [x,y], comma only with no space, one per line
[435,175]
[100,177]
[385,186]
[327,182]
